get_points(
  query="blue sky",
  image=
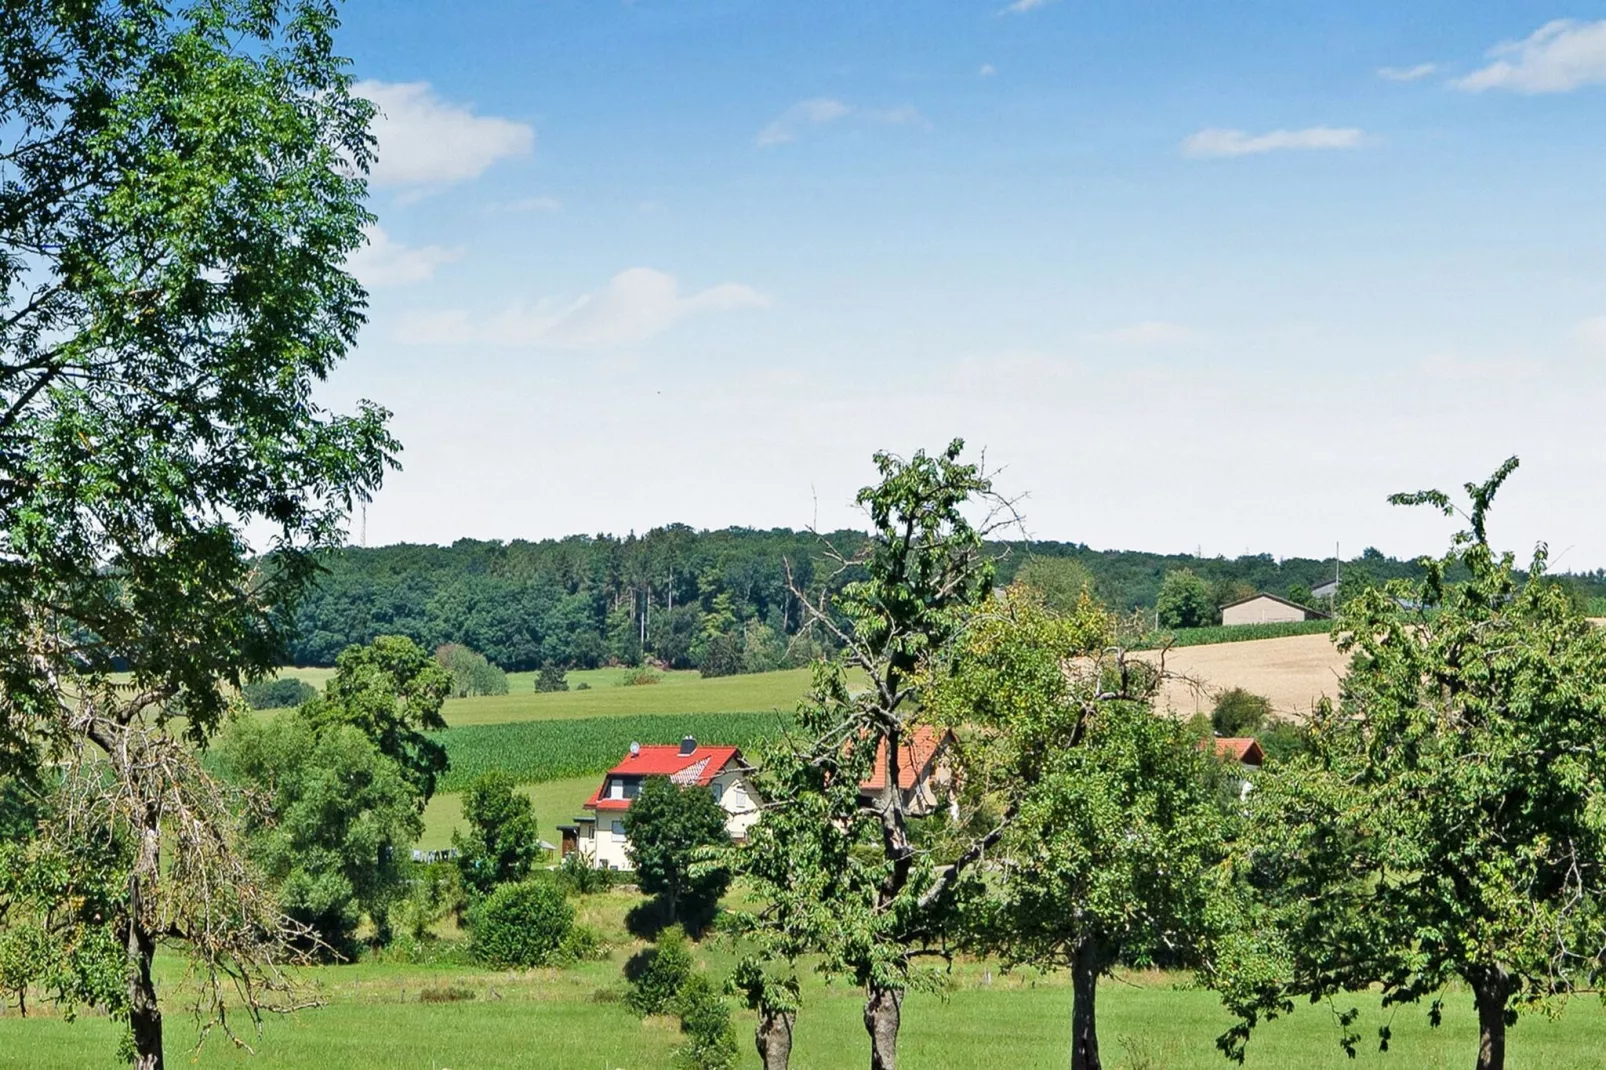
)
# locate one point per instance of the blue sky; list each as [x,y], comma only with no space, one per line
[1196,276]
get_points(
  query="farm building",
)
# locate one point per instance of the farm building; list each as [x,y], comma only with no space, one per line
[600,834]
[1266,609]
[1326,589]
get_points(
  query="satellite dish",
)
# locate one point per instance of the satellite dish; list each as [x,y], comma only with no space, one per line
[635,750]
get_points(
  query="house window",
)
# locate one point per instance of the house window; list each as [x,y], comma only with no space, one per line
[632,788]
[618,832]
[718,789]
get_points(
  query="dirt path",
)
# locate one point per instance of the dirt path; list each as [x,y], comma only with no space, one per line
[1292,672]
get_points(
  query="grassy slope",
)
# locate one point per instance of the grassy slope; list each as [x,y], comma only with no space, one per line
[681,692]
[556,802]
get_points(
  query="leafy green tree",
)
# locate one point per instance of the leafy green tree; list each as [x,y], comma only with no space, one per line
[1184,601]
[503,841]
[1446,822]
[285,693]
[669,827]
[1239,713]
[339,814]
[1300,594]
[392,691]
[183,189]
[471,672]
[705,1021]
[1059,581]
[551,679]
[522,925]
[1109,814]
[836,871]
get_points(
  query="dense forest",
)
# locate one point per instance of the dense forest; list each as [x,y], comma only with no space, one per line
[715,599]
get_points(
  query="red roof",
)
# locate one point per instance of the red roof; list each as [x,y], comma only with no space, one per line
[915,754]
[1243,749]
[699,767]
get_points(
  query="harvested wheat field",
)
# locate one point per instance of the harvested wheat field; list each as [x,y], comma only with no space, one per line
[1293,672]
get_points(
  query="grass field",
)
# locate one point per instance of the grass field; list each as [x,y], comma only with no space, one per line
[533,751]
[556,802]
[571,1020]
[681,692]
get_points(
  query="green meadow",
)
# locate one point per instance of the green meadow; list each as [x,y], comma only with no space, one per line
[377,1014]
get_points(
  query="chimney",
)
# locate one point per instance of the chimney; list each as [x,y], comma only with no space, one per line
[688,745]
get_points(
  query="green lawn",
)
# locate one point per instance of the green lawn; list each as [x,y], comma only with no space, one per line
[681,692]
[567,1021]
[556,802]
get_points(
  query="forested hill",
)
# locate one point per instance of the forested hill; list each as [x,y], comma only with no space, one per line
[682,596]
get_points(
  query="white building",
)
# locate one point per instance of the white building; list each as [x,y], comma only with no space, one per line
[599,834]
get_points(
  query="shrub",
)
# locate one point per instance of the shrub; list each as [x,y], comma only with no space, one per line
[285,693]
[583,944]
[705,1019]
[1239,713]
[445,994]
[640,678]
[522,924]
[582,686]
[552,678]
[579,876]
[657,974]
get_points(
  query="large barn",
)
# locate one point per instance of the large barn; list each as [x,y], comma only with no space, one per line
[1267,609]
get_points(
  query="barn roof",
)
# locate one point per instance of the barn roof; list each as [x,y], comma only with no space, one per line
[1292,605]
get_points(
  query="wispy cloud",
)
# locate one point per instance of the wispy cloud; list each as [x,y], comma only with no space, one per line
[531,204]
[1592,332]
[987,70]
[1558,57]
[824,111]
[1219,142]
[386,262]
[427,143]
[1407,74]
[635,305]
[1020,7]
[1149,334]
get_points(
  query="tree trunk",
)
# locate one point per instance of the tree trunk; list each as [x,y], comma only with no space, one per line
[774,1038]
[144,1015]
[1084,991]
[1489,994]
[883,1008]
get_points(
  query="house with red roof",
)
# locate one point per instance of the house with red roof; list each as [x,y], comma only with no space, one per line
[925,778]
[599,834]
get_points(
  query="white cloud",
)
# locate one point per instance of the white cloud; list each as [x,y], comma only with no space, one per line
[532,204]
[426,142]
[1146,334]
[1219,142]
[385,262]
[1020,7]
[1559,56]
[1592,332]
[823,111]
[987,70]
[636,305]
[1407,74]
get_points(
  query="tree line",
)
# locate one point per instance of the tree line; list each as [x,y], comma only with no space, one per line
[724,601]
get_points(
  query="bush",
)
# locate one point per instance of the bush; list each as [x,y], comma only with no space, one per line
[522,925]
[445,994]
[722,655]
[705,1019]
[583,944]
[552,678]
[640,678]
[582,686]
[285,693]
[1239,713]
[657,974]
[579,876]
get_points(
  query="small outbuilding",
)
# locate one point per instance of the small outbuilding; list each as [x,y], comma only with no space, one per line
[1267,609]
